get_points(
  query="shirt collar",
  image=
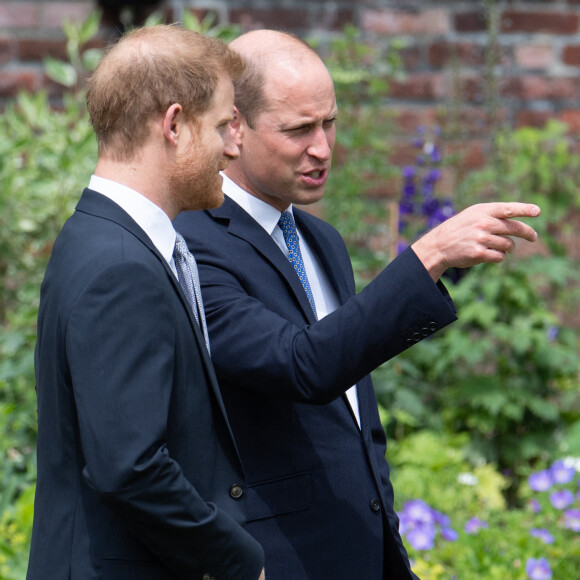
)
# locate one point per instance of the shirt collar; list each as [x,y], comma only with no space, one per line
[149,217]
[266,215]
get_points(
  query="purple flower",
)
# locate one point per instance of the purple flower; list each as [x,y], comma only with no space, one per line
[540,481]
[430,206]
[572,520]
[435,155]
[535,506]
[406,207]
[419,511]
[562,498]
[473,525]
[408,172]
[441,519]
[543,535]
[538,569]
[552,333]
[449,534]
[562,473]
[422,536]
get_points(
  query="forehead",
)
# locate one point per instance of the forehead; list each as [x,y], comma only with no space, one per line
[299,94]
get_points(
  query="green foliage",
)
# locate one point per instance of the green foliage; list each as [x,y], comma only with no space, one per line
[71,73]
[536,166]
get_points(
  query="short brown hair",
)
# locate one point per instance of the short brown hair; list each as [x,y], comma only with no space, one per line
[146,72]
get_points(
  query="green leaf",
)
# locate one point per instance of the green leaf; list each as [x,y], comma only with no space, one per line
[91,58]
[60,72]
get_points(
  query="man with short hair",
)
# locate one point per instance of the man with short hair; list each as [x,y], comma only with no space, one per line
[293,344]
[138,474]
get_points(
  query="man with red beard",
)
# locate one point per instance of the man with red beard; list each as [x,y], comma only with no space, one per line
[138,474]
[292,344]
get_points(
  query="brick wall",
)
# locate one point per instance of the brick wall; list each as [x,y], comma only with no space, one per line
[447,45]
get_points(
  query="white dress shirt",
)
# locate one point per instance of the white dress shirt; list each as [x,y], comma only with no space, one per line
[325,297]
[149,217]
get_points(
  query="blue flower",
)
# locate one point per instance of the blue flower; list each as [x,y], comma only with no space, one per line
[422,536]
[543,535]
[540,481]
[572,520]
[449,534]
[473,525]
[552,333]
[538,569]
[562,473]
[562,498]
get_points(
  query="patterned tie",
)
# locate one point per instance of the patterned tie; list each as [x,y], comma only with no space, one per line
[288,228]
[189,281]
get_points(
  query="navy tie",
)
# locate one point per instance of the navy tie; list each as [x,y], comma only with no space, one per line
[288,228]
[189,282]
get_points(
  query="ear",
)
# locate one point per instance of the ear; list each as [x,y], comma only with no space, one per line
[237,127]
[171,123]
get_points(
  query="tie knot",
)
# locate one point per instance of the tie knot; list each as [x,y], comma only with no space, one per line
[286,222]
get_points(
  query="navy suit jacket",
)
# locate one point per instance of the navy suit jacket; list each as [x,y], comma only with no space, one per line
[136,459]
[319,496]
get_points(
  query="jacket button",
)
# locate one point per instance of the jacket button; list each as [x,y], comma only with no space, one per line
[375,505]
[433,327]
[236,491]
[207,576]
[417,337]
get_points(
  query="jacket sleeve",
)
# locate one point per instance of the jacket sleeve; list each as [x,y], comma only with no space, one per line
[121,344]
[260,340]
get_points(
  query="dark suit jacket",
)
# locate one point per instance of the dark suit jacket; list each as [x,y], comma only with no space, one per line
[319,496]
[135,456]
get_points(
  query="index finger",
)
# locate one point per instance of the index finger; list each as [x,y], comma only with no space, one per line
[512,209]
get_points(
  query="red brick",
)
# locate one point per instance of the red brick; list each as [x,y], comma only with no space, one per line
[16,80]
[419,86]
[535,22]
[327,19]
[537,87]
[36,49]
[20,14]
[5,50]
[407,119]
[442,53]
[270,18]
[572,119]
[391,22]
[54,13]
[571,55]
[468,120]
[470,21]
[534,56]
[527,118]
[411,58]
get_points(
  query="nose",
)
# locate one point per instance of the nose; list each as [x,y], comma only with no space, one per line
[320,145]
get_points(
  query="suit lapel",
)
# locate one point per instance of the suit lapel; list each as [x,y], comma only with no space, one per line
[341,280]
[244,226]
